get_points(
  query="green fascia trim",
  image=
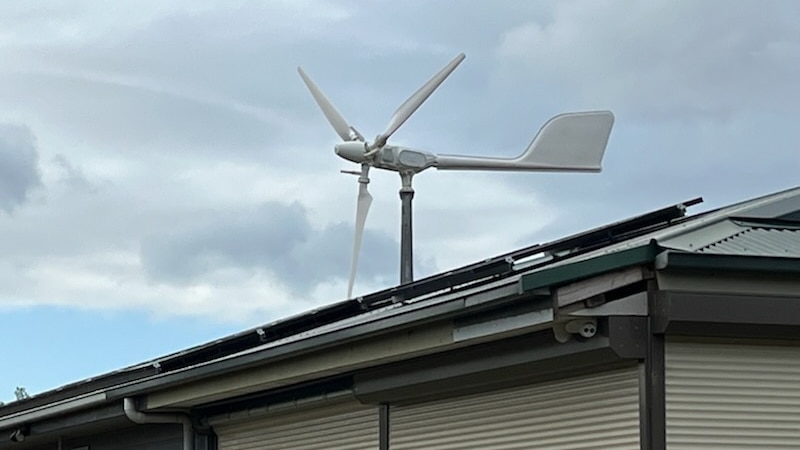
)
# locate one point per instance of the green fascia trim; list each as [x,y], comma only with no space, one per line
[738,263]
[587,268]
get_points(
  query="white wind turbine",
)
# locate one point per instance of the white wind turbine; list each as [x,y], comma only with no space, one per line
[572,142]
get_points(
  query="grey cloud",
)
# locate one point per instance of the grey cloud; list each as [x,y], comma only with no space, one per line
[251,64]
[73,176]
[276,237]
[19,171]
[663,59]
[200,53]
[124,117]
[634,58]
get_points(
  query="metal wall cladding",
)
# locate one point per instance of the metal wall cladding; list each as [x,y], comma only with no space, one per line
[598,411]
[344,426]
[161,436]
[725,396]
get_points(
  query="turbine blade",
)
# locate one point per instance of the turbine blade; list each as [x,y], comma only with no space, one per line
[336,120]
[362,209]
[415,101]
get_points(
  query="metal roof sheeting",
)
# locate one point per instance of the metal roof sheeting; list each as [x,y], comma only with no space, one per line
[758,241]
[701,230]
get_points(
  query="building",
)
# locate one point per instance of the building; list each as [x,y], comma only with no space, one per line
[660,331]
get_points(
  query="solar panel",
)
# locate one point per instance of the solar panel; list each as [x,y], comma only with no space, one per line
[502,265]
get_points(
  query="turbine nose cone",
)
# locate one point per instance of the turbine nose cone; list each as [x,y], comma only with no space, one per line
[351,151]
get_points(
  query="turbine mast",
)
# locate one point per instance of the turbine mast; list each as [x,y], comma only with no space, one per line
[406,229]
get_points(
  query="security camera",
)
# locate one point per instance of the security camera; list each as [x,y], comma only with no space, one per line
[588,329]
[19,435]
[584,327]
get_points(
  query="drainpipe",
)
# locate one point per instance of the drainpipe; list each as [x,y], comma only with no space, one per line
[139,417]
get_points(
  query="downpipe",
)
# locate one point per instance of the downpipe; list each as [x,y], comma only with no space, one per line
[139,417]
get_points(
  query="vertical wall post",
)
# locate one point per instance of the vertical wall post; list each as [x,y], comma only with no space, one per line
[654,436]
[383,427]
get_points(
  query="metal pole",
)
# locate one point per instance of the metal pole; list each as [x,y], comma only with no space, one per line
[406,236]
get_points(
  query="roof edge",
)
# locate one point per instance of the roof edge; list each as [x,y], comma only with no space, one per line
[678,260]
[590,267]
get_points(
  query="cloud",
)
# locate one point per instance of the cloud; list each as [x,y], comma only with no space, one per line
[132,118]
[72,176]
[702,95]
[275,237]
[19,172]
[663,59]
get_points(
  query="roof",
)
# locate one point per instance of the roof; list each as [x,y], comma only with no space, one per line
[294,327]
[759,239]
[766,226]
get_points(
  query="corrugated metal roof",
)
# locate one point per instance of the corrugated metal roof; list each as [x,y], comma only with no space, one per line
[701,230]
[758,241]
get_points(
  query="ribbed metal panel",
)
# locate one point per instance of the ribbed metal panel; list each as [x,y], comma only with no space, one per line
[600,411]
[330,427]
[759,242]
[732,396]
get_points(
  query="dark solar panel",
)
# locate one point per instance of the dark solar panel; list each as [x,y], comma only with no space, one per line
[503,264]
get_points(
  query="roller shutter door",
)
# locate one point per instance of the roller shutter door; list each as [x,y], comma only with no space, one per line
[345,426]
[721,396]
[598,411]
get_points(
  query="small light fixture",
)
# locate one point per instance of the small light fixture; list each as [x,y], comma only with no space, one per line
[20,434]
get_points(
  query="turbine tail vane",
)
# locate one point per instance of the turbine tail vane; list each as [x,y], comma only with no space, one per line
[572,142]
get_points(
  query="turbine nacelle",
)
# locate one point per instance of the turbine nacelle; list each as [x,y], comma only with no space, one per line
[388,157]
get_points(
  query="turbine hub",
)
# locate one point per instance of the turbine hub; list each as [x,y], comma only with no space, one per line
[351,151]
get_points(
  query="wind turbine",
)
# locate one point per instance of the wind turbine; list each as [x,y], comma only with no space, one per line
[572,142]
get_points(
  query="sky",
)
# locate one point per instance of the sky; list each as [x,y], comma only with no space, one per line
[166,179]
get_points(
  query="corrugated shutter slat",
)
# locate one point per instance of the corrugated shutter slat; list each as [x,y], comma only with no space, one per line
[335,427]
[589,412]
[732,396]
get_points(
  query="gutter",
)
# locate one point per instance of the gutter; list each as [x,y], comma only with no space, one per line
[278,351]
[781,265]
[54,409]
[447,306]
[136,416]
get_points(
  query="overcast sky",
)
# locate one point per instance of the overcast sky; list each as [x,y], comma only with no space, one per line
[166,179]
